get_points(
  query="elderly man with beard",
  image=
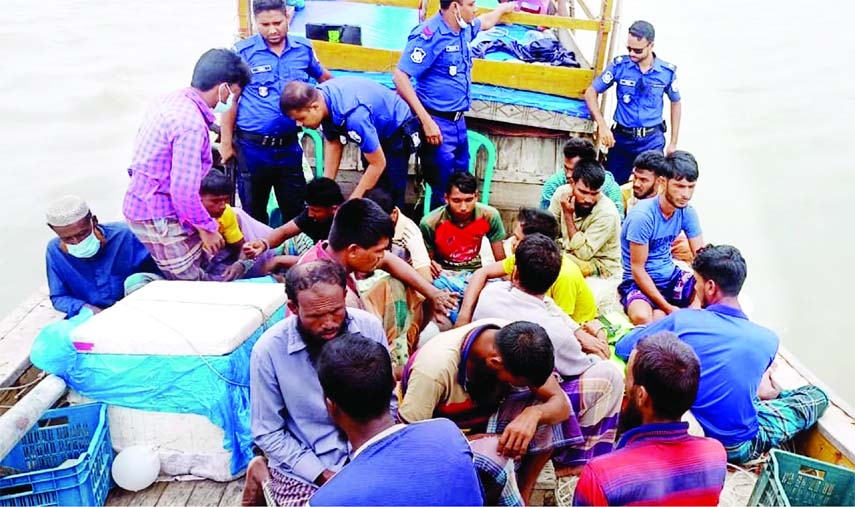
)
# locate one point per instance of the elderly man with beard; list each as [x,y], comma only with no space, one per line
[653,286]
[289,419]
[590,225]
[656,461]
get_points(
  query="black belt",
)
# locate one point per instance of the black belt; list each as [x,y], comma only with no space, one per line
[450,116]
[268,141]
[639,132]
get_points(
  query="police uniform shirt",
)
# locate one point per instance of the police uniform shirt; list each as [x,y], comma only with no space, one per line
[441,63]
[639,95]
[363,111]
[258,107]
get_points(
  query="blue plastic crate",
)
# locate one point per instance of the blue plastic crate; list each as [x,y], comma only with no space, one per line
[79,433]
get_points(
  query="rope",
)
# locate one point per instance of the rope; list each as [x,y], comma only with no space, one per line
[28,384]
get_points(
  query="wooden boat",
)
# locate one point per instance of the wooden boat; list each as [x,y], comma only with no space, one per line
[528,140]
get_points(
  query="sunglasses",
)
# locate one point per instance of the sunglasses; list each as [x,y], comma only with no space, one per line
[637,51]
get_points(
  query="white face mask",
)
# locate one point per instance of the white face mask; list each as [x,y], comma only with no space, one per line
[222,107]
[460,21]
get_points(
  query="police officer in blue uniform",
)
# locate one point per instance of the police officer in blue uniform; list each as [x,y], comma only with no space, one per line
[364,112]
[642,79]
[437,55]
[268,153]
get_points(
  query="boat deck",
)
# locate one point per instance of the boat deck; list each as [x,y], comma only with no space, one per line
[181,493]
[736,492]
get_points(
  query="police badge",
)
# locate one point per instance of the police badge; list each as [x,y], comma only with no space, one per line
[262,90]
[418,55]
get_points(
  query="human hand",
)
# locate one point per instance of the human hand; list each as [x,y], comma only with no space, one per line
[95,309]
[212,242]
[507,7]
[669,309]
[324,477]
[253,249]
[444,302]
[227,151]
[607,138]
[513,443]
[592,344]
[435,269]
[432,132]
[234,272]
[672,147]
[568,204]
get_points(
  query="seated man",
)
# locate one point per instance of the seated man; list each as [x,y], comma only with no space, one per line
[593,385]
[356,377]
[453,233]
[288,418]
[653,286]
[407,242]
[644,184]
[590,225]
[469,374]
[656,461]
[569,292]
[87,263]
[323,197]
[359,241]
[736,356]
[577,149]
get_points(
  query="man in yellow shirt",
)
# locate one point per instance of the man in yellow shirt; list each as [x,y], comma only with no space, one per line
[570,291]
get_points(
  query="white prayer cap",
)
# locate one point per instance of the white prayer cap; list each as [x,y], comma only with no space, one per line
[66,210]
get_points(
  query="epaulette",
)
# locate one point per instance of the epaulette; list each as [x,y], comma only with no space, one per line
[245,43]
[666,65]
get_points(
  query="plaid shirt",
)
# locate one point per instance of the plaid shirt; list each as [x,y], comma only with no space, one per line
[172,153]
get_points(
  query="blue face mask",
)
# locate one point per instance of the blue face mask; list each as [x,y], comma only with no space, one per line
[85,249]
[222,107]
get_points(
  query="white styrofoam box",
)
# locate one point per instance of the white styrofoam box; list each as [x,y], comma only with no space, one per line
[176,318]
[189,445]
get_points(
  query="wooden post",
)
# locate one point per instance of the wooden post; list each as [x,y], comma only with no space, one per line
[612,43]
[244,18]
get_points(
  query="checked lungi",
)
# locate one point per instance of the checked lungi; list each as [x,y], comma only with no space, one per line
[287,491]
[177,252]
[780,420]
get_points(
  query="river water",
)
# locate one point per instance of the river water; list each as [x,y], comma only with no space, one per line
[768,101]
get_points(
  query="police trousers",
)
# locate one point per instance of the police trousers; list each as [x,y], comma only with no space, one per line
[261,168]
[397,150]
[440,161]
[622,155]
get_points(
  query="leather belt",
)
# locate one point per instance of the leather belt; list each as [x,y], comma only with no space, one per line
[268,141]
[639,132]
[450,116]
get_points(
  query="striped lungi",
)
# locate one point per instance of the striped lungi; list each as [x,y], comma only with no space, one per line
[595,399]
[780,420]
[287,491]
[177,252]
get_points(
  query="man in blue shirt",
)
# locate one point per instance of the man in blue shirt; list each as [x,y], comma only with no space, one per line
[88,262]
[738,403]
[361,111]
[437,55]
[356,376]
[268,153]
[653,286]
[288,417]
[642,80]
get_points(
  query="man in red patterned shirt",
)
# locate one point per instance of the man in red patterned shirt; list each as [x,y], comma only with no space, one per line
[172,153]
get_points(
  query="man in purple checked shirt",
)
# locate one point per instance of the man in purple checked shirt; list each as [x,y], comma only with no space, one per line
[172,153]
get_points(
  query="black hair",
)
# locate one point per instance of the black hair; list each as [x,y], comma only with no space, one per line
[360,222]
[356,374]
[464,181]
[297,95]
[535,220]
[722,264]
[382,198]
[642,30]
[217,66]
[591,172]
[216,183]
[652,160]
[538,261]
[681,165]
[305,276]
[526,351]
[445,4]
[670,371]
[259,6]
[323,192]
[579,147]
